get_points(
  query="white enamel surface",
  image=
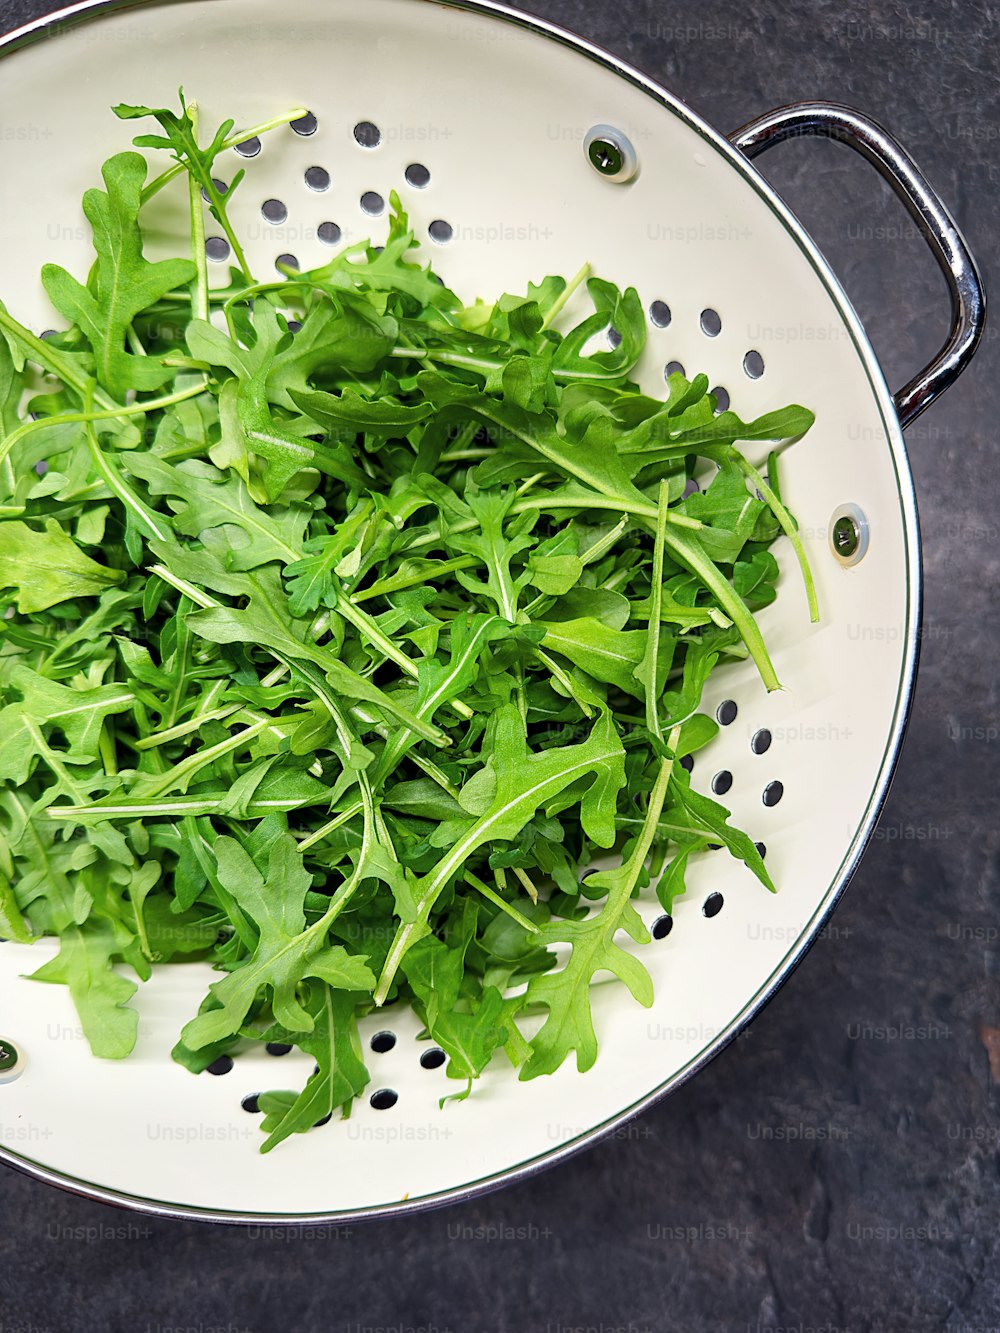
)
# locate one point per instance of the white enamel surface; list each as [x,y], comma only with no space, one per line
[498,114]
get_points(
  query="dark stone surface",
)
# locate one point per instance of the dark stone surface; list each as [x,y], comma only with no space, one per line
[880,1208]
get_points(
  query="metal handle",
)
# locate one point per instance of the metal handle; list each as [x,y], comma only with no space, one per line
[829,120]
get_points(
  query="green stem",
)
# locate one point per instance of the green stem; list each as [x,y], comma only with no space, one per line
[694,559]
[331,826]
[103,414]
[51,359]
[565,295]
[787,524]
[656,605]
[497,901]
[557,673]
[199,301]
[180,772]
[182,647]
[109,755]
[367,628]
[182,586]
[463,360]
[654,809]
[109,474]
[486,365]
[601,547]
[185,728]
[525,879]
[436,774]
[241,136]
[247,294]
[466,455]
[528,485]
[399,582]
[613,502]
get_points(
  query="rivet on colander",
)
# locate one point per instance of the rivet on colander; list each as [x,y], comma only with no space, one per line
[11,1061]
[849,534]
[610,153]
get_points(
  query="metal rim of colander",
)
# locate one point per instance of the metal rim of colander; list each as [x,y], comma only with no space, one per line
[87,10]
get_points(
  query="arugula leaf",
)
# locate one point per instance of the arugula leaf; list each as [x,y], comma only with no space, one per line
[566,994]
[504,795]
[12,923]
[123,284]
[386,269]
[708,814]
[209,500]
[79,714]
[468,1029]
[340,1075]
[180,138]
[606,654]
[286,952]
[101,995]
[48,567]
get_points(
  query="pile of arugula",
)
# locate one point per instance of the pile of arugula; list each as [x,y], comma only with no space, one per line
[344,626]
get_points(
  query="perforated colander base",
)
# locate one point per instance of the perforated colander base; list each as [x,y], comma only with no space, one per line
[479,124]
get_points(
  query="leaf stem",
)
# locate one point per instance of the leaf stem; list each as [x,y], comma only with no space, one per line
[651,658]
[51,359]
[497,901]
[787,524]
[145,517]
[366,626]
[182,586]
[241,136]
[109,756]
[695,559]
[182,771]
[398,583]
[331,826]
[560,301]
[199,302]
[102,414]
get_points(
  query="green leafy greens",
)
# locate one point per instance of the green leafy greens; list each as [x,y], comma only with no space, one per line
[342,628]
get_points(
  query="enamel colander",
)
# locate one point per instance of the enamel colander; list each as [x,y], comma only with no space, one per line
[519,151]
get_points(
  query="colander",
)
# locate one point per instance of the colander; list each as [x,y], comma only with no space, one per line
[519,150]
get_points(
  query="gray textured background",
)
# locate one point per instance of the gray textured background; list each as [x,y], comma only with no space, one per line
[879,1210]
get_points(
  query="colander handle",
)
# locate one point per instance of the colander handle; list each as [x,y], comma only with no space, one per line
[829,120]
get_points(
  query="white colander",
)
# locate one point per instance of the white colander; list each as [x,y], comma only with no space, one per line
[519,151]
